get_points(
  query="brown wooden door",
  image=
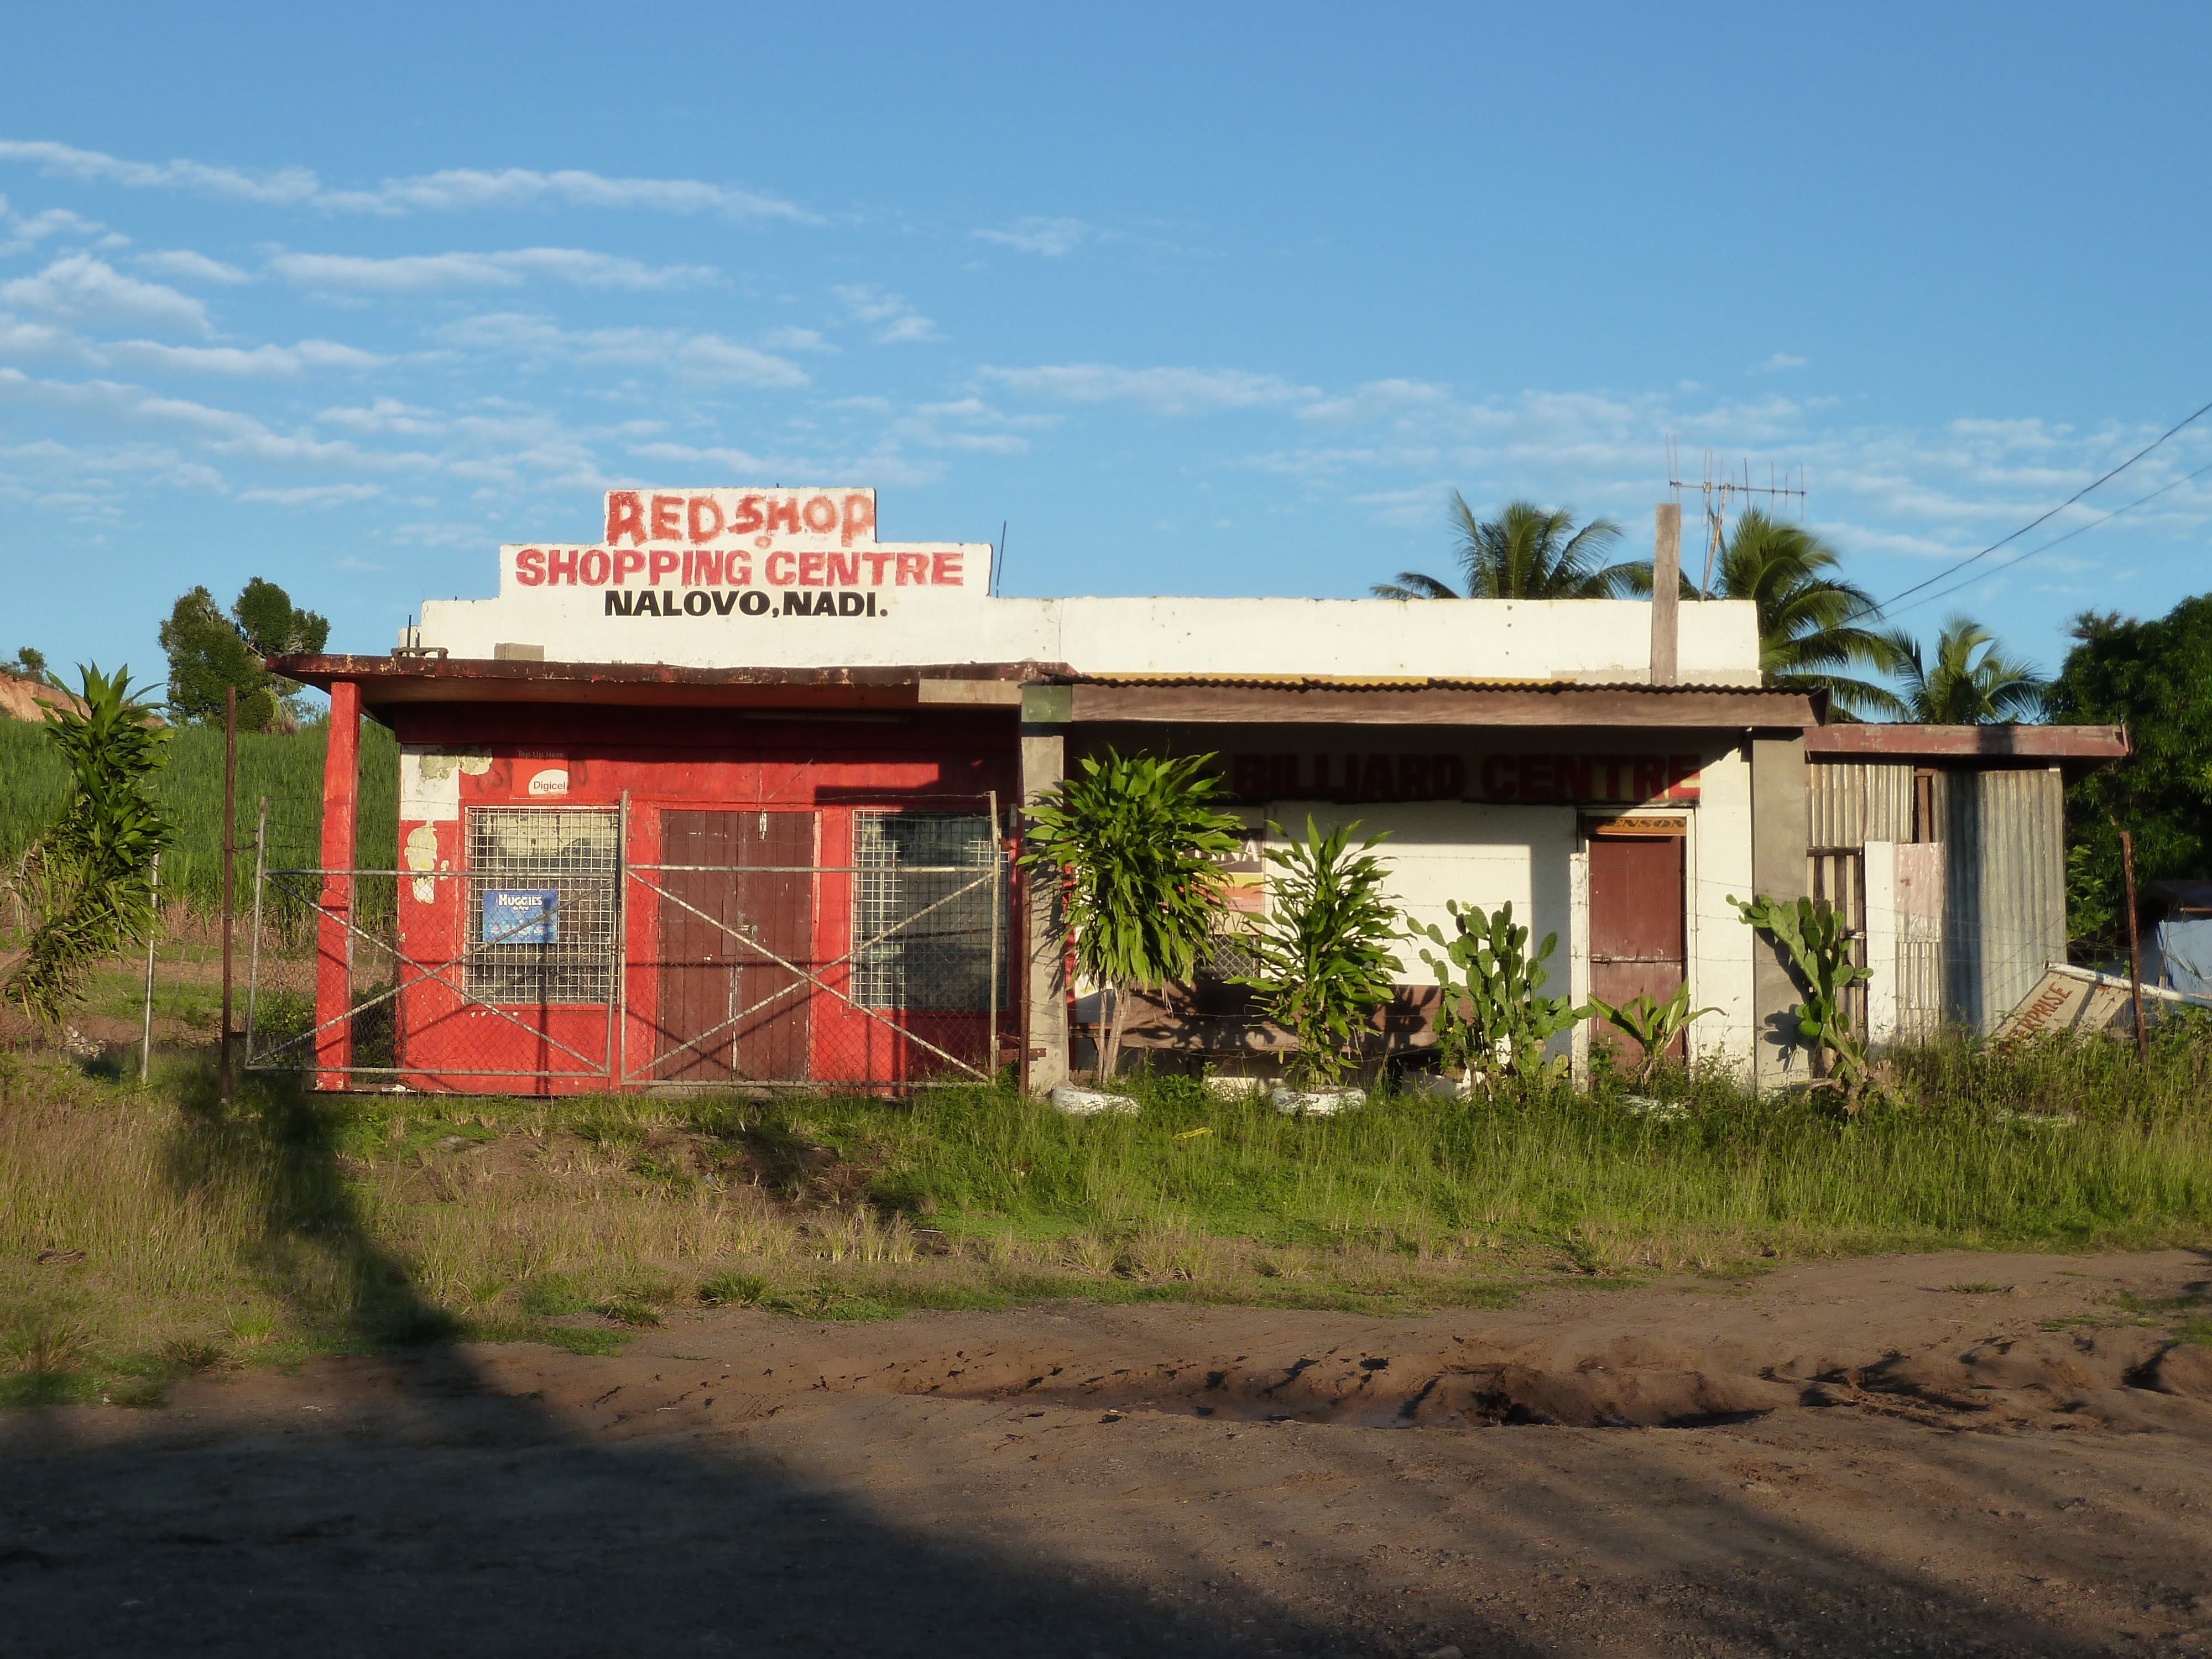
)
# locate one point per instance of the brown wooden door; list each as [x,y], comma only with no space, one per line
[1636,928]
[728,1009]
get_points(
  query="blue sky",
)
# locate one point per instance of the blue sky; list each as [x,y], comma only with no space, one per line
[1217,300]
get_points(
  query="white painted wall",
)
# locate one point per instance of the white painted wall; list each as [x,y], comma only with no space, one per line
[929,601]
[1596,640]
[1720,945]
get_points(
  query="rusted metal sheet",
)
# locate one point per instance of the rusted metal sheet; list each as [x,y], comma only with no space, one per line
[1919,934]
[2005,894]
[1984,743]
[413,678]
[1849,803]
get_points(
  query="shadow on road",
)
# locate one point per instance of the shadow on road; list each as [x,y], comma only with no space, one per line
[472,1520]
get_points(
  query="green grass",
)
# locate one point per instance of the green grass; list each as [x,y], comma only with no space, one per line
[289,770]
[286,1226]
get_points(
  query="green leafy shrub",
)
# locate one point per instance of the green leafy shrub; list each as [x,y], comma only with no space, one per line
[1137,841]
[1651,1025]
[1322,956]
[88,880]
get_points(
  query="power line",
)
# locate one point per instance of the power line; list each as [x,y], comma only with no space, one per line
[1942,576]
[2018,557]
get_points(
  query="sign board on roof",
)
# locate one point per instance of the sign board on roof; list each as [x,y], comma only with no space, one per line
[744,553]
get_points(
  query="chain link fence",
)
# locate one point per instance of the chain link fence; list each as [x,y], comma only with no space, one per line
[581,948]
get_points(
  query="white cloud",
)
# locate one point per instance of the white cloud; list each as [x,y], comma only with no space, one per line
[54,221]
[1377,398]
[1164,390]
[188,266]
[385,415]
[286,186]
[219,431]
[428,272]
[1053,238]
[337,495]
[795,339]
[82,290]
[454,190]
[1778,362]
[460,190]
[689,356]
[894,321]
[259,361]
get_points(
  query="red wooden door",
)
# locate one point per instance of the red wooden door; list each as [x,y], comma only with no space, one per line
[1636,928]
[728,1007]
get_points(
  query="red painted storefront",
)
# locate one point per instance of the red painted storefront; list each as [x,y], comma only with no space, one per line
[721,848]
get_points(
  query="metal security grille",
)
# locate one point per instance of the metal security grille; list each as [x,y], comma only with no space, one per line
[1227,955]
[542,888]
[934,924]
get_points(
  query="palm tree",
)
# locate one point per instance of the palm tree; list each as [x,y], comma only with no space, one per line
[1963,689]
[1526,552]
[1809,619]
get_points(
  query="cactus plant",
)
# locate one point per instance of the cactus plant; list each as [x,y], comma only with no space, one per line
[1495,1019]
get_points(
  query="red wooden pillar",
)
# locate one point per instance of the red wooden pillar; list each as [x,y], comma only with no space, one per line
[334,944]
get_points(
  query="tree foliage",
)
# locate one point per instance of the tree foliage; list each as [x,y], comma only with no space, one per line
[1139,843]
[1813,624]
[1526,552]
[211,650]
[2155,678]
[1971,683]
[30,664]
[1321,955]
[88,879]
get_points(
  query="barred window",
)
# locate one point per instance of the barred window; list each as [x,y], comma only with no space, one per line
[924,896]
[541,914]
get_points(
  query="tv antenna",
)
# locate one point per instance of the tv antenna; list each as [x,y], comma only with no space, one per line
[1723,488]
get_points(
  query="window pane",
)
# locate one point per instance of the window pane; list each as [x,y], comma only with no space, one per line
[922,910]
[541,904]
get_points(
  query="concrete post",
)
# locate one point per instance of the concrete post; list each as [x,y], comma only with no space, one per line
[1780,827]
[1666,594]
[1878,872]
[333,942]
[1045,713]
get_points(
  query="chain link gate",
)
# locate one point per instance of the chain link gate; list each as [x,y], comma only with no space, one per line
[584,949]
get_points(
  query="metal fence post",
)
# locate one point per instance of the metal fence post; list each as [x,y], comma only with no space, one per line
[998,900]
[618,999]
[229,857]
[253,967]
[153,942]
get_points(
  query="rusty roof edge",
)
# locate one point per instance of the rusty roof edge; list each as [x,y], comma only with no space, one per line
[1900,741]
[320,671]
[1357,683]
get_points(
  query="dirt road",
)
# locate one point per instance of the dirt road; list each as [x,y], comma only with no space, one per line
[1961,1454]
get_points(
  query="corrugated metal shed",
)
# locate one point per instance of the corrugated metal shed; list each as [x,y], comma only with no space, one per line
[1849,803]
[2004,911]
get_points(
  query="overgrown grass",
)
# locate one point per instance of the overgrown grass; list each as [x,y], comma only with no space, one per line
[189,790]
[288,1224]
